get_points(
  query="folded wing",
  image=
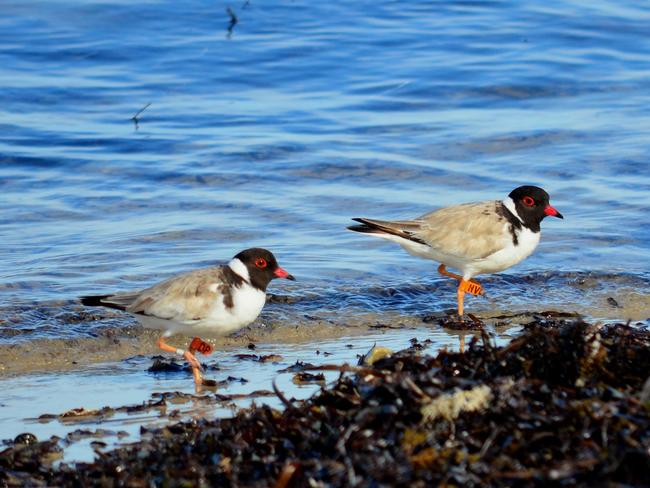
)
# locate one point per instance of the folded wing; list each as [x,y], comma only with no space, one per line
[470,231]
[185,297]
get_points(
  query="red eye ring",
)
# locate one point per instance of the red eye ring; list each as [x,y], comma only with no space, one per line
[528,201]
[260,263]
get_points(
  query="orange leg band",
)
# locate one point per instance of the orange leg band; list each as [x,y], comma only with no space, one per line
[203,347]
[471,287]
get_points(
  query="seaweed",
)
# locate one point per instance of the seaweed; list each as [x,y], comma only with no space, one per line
[564,403]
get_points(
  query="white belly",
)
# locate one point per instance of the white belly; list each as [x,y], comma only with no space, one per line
[220,320]
[510,255]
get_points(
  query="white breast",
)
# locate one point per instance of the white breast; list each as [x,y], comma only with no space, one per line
[248,303]
[220,320]
[510,255]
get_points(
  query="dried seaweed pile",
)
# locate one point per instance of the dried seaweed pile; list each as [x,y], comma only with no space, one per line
[564,403]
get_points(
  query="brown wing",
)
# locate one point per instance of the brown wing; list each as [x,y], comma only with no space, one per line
[469,231]
[188,296]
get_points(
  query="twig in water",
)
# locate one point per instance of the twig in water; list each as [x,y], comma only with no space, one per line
[282,398]
[135,118]
[233,21]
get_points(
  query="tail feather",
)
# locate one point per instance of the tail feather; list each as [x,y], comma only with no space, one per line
[98,301]
[364,229]
[399,229]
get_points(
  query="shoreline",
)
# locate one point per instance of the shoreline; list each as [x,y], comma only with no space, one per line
[515,414]
[116,337]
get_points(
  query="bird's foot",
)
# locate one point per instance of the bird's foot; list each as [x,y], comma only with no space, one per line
[204,348]
[467,321]
[197,369]
[190,358]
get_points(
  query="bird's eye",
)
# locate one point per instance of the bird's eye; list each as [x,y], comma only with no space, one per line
[528,201]
[260,263]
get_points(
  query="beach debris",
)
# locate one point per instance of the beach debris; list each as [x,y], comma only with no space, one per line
[613,303]
[558,405]
[164,365]
[81,434]
[296,367]
[26,439]
[374,354]
[46,417]
[450,405]
[304,378]
[386,326]
[169,365]
[79,412]
[454,322]
[268,358]
[209,383]
[228,380]
[242,396]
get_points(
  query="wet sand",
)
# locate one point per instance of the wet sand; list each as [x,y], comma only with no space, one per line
[78,336]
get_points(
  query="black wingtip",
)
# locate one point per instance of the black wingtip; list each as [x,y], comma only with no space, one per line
[98,301]
[377,228]
[361,228]
[93,301]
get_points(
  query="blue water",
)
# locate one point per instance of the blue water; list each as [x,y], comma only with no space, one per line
[304,115]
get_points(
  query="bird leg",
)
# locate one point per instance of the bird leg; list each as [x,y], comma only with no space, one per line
[189,357]
[204,348]
[442,269]
[461,296]
[464,286]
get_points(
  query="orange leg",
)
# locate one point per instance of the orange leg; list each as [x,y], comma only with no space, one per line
[189,357]
[461,296]
[442,269]
[469,286]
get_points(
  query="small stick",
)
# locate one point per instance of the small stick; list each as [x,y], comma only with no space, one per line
[233,21]
[282,398]
[135,118]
